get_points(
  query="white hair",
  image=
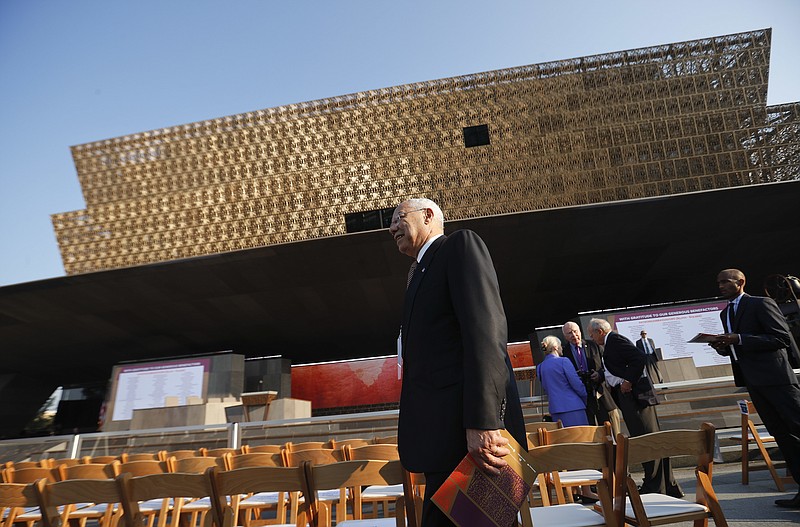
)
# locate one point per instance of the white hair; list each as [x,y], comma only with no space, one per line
[425,203]
[601,324]
[551,344]
[566,328]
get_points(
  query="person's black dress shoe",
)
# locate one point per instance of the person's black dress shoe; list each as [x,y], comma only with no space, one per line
[789,503]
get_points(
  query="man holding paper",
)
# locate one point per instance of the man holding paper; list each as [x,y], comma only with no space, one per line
[458,385]
[762,350]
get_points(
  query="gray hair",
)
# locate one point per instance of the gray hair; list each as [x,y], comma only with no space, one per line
[566,328]
[551,344]
[601,324]
[425,203]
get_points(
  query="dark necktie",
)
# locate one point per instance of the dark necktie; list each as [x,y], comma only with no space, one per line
[731,315]
[411,273]
[581,359]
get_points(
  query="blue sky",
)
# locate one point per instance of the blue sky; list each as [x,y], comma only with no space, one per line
[83,70]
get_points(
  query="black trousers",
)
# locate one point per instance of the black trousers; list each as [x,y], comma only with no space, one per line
[779,409]
[658,476]
[432,516]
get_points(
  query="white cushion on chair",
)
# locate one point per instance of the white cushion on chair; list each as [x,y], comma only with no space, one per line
[569,515]
[261,498]
[579,475]
[381,491]
[373,522]
[658,505]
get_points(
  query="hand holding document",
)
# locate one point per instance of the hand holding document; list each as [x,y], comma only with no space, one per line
[471,497]
[721,343]
[705,338]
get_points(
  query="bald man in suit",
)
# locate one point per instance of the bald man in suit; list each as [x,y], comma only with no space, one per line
[458,384]
[762,352]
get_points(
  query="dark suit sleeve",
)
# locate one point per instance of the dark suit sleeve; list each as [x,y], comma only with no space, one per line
[483,330]
[628,357]
[773,332]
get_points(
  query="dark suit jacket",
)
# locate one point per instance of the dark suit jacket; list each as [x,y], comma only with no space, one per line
[456,369]
[640,347]
[594,358]
[763,354]
[622,358]
[593,355]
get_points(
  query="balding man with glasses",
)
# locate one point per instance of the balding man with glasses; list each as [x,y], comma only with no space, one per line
[458,385]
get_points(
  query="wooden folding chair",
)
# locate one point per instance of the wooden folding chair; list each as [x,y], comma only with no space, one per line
[351,442]
[68,461]
[228,486]
[196,465]
[90,471]
[17,499]
[180,454]
[252,506]
[308,445]
[388,439]
[750,433]
[552,459]
[172,490]
[572,479]
[351,476]
[532,431]
[261,449]
[219,452]
[26,464]
[156,509]
[658,509]
[100,460]
[28,476]
[313,456]
[376,495]
[197,508]
[143,456]
[72,494]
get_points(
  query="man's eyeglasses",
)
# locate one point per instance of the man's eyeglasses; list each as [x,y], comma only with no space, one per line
[401,215]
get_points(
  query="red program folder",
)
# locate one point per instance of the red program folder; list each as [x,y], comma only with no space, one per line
[472,498]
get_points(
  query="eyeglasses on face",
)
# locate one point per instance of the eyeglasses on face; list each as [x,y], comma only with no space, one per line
[401,215]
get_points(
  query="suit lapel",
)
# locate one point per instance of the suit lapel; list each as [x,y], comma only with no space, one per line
[737,317]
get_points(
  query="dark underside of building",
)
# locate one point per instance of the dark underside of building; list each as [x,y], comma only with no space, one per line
[340,297]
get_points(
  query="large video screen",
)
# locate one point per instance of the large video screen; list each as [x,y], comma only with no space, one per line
[671,328]
[148,385]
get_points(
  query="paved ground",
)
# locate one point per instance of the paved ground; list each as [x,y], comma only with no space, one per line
[744,505]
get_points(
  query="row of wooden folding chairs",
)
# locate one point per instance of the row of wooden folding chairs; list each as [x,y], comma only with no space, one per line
[163,455]
[252,506]
[120,499]
[619,501]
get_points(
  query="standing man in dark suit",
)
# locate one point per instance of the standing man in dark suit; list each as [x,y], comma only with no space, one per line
[648,347]
[761,350]
[458,384]
[587,358]
[624,373]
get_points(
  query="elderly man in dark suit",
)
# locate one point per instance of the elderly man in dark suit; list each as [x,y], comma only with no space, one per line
[761,349]
[587,358]
[624,373]
[458,385]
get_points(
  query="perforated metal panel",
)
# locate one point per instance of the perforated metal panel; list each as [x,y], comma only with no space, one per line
[647,122]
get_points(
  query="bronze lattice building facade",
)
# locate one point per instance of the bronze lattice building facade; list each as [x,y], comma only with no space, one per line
[655,121]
